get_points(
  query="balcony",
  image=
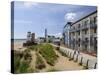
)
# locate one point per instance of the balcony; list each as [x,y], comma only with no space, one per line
[85,27]
[78,29]
[93,25]
[84,42]
[71,30]
[93,35]
[86,35]
[74,30]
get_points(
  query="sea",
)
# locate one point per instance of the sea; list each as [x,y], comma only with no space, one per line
[18,40]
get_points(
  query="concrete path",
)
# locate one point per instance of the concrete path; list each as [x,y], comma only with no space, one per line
[92,59]
[63,64]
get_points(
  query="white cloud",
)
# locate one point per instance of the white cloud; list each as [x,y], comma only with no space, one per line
[70,16]
[58,34]
[29,4]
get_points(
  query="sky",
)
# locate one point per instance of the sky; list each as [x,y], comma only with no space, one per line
[35,17]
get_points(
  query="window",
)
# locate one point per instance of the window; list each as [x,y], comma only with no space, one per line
[95,30]
[91,21]
[79,39]
[78,25]
[86,39]
[78,33]
[73,27]
[85,31]
[95,44]
[95,20]
[86,22]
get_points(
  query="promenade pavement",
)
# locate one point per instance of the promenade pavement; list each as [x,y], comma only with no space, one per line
[91,59]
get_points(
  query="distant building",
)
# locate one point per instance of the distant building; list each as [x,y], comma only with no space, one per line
[30,39]
[28,36]
[40,40]
[83,33]
[56,41]
[33,37]
[46,37]
[50,38]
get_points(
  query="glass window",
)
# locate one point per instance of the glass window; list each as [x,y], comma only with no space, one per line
[95,20]
[86,22]
[78,33]
[78,25]
[85,31]
[95,30]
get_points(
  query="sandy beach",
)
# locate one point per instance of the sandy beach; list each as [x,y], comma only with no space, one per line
[62,64]
[18,45]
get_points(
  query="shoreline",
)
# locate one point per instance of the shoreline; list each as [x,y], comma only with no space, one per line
[17,44]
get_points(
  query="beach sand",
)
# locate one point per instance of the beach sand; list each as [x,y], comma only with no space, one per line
[63,63]
[18,46]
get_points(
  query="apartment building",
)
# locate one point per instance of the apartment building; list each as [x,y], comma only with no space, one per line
[66,36]
[83,33]
[30,37]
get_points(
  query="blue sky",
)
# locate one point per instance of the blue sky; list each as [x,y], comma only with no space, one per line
[35,17]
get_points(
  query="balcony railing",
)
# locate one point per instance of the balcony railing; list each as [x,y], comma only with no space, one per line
[85,27]
[93,25]
[93,35]
[78,29]
[71,30]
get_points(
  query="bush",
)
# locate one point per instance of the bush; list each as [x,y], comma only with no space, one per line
[16,63]
[33,47]
[48,53]
[39,62]
[21,65]
[27,55]
[17,57]
[24,65]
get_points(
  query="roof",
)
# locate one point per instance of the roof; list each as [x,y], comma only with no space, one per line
[85,17]
[68,23]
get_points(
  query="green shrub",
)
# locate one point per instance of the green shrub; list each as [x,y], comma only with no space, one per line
[16,62]
[17,57]
[21,65]
[39,62]
[24,65]
[48,53]
[33,47]
[27,55]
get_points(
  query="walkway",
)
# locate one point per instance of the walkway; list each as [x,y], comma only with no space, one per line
[92,59]
[64,64]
